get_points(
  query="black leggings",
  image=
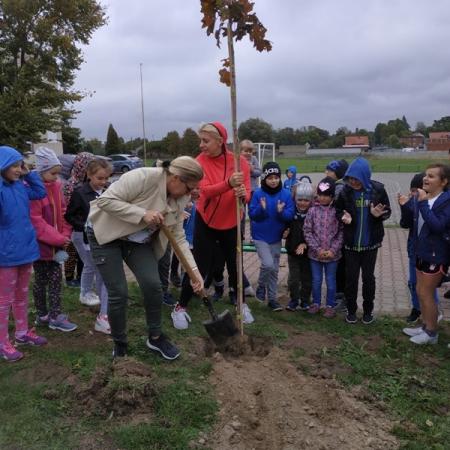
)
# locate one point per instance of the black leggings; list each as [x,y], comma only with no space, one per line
[205,239]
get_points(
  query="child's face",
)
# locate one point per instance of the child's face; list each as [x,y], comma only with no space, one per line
[51,175]
[273,181]
[355,183]
[13,172]
[289,174]
[324,200]
[247,152]
[303,204]
[432,181]
[331,174]
[99,179]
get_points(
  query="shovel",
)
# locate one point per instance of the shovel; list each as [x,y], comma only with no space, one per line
[221,327]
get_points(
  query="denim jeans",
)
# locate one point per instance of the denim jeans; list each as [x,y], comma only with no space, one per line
[269,255]
[317,269]
[90,272]
[141,260]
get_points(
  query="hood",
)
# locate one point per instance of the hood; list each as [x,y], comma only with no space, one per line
[360,169]
[223,134]
[292,169]
[8,157]
[80,163]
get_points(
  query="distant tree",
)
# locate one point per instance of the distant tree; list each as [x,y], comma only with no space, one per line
[94,146]
[71,139]
[255,129]
[190,142]
[405,123]
[285,136]
[421,128]
[112,141]
[380,134]
[40,53]
[343,131]
[393,141]
[443,124]
[173,143]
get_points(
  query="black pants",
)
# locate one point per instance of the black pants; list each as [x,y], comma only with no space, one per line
[205,241]
[340,275]
[300,278]
[354,263]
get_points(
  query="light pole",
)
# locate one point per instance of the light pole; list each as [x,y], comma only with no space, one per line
[143,118]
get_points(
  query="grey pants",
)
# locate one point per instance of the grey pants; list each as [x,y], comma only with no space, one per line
[269,255]
[141,260]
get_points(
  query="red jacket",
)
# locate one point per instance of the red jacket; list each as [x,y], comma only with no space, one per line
[47,216]
[217,202]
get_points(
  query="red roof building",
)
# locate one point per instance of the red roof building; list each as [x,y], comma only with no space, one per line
[356,142]
[439,141]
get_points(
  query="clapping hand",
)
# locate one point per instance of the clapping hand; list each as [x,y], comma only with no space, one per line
[402,199]
[263,202]
[346,218]
[423,195]
[379,210]
[280,206]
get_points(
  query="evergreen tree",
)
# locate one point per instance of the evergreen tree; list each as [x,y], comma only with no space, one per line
[173,143]
[112,141]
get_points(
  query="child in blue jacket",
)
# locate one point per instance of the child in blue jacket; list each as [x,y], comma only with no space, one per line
[291,181]
[271,208]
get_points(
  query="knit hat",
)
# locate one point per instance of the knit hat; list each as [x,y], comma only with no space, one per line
[417,181]
[270,168]
[46,159]
[338,167]
[326,187]
[304,190]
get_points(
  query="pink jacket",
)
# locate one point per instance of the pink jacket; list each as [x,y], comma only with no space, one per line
[47,216]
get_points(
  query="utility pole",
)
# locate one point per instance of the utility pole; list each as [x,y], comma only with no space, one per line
[143,117]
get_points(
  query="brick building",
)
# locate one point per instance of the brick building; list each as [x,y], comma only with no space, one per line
[439,141]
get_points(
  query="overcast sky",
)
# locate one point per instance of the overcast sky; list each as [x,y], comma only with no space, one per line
[334,63]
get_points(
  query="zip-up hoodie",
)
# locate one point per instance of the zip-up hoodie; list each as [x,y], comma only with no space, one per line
[48,220]
[289,183]
[217,202]
[18,243]
[365,232]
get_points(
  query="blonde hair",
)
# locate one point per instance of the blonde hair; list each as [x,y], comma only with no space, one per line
[246,143]
[187,168]
[96,164]
[211,129]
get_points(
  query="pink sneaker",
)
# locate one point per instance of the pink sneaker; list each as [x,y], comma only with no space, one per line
[9,352]
[314,308]
[31,338]
[329,312]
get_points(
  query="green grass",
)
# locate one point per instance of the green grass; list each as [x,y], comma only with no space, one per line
[38,408]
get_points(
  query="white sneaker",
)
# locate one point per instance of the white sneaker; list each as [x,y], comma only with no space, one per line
[180,317]
[413,331]
[249,292]
[440,316]
[90,299]
[102,324]
[247,314]
[424,338]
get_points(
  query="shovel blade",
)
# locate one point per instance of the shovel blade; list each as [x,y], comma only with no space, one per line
[222,328]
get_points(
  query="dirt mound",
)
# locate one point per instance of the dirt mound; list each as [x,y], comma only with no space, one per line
[267,403]
[125,388]
[238,346]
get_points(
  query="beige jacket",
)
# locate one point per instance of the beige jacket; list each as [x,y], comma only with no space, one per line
[118,212]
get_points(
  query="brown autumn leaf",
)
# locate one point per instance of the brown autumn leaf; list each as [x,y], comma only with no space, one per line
[225,76]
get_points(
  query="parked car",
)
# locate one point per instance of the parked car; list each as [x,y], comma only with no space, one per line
[124,163]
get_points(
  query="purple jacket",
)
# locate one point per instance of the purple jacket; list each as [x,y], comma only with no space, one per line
[323,231]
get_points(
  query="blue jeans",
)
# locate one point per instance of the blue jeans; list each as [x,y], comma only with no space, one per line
[412,285]
[269,255]
[317,269]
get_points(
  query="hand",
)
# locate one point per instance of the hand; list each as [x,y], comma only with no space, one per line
[300,250]
[379,210]
[330,254]
[67,242]
[423,195]
[321,254]
[280,206]
[240,191]
[346,218]
[186,215]
[153,218]
[24,170]
[197,283]
[236,179]
[402,199]
[263,202]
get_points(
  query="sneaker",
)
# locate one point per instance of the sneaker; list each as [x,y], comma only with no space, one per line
[180,317]
[351,318]
[89,299]
[41,321]
[163,346]
[424,338]
[260,294]
[247,314]
[367,318]
[73,283]
[218,293]
[314,308]
[249,292]
[304,305]
[341,305]
[102,324]
[61,323]
[329,312]
[413,331]
[275,306]
[175,280]
[168,299]
[10,353]
[120,350]
[413,316]
[31,338]
[293,306]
